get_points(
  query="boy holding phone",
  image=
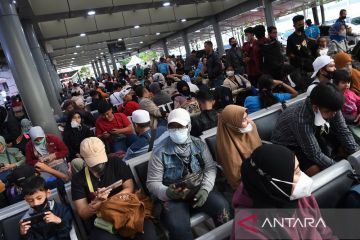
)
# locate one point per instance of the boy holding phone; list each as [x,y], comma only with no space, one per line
[46,219]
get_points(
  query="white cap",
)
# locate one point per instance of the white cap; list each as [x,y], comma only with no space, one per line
[321,62]
[180,116]
[140,116]
[125,91]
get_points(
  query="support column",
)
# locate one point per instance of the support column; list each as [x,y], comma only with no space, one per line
[315,15]
[56,76]
[94,69]
[107,65]
[269,14]
[55,80]
[186,43]
[113,61]
[23,68]
[97,68]
[101,66]
[42,69]
[322,14]
[165,48]
[217,32]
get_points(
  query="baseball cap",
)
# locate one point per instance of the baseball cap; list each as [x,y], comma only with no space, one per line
[140,116]
[125,91]
[321,62]
[20,174]
[180,116]
[92,149]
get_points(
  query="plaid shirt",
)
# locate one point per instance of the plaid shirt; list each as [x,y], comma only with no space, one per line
[295,127]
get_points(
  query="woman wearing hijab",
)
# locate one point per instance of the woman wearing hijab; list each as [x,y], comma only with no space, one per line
[181,175]
[75,131]
[184,99]
[10,158]
[338,42]
[46,148]
[236,136]
[272,179]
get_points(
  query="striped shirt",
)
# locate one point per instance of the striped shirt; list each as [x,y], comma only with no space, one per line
[295,127]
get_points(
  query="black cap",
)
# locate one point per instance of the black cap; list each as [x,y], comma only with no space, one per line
[20,174]
[205,95]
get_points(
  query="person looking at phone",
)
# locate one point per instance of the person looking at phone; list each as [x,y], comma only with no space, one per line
[102,172]
[46,219]
[10,158]
[114,128]
[48,149]
[181,175]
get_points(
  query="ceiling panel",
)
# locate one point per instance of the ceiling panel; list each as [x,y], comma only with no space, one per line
[140,31]
[137,17]
[41,7]
[159,28]
[73,41]
[53,28]
[204,9]
[89,4]
[58,43]
[217,7]
[108,21]
[127,2]
[185,11]
[100,37]
[161,14]
[80,25]
[120,34]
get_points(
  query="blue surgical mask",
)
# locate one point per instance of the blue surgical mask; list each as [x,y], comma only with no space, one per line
[179,136]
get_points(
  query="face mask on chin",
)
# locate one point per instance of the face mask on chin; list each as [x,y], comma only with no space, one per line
[247,129]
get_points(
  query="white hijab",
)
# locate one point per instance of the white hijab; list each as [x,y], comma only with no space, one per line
[36,132]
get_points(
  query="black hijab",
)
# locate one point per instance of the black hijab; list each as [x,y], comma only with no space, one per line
[276,162]
[182,84]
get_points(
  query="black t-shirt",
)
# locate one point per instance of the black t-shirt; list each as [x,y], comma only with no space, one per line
[297,45]
[115,170]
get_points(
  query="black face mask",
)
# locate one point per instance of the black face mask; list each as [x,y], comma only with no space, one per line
[329,75]
[234,44]
[343,17]
[300,29]
[40,207]
[99,169]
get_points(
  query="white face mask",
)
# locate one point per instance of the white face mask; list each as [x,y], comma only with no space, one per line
[302,187]
[230,73]
[179,136]
[247,129]
[75,124]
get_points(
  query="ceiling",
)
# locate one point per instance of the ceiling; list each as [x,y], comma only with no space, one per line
[58,25]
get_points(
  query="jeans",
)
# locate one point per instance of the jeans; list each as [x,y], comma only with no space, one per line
[149,233]
[176,215]
[217,81]
[121,144]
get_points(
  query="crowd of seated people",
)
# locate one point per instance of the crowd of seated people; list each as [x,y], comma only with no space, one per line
[164,108]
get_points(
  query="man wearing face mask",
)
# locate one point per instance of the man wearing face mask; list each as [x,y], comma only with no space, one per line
[234,57]
[324,68]
[272,179]
[297,48]
[181,175]
[253,70]
[88,187]
[315,130]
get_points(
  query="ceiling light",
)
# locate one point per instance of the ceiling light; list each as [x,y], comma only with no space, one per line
[129,48]
[77,46]
[183,20]
[120,39]
[75,53]
[197,31]
[158,33]
[82,34]
[141,42]
[99,49]
[92,12]
[166,4]
[253,10]
[14,2]
[101,53]
[73,58]
[137,26]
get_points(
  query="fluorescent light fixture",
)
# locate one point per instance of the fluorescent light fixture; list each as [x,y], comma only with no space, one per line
[197,31]
[157,33]
[253,10]
[72,58]
[166,4]
[99,49]
[141,42]
[129,48]
[75,53]
[183,20]
[77,46]
[14,2]
[91,13]
[137,26]
[120,39]
[101,53]
[82,34]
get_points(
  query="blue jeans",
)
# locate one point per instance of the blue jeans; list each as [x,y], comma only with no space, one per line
[123,143]
[176,215]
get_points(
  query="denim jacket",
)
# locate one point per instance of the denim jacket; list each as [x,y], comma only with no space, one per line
[166,167]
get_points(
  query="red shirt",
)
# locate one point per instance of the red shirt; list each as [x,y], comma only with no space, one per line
[129,108]
[119,121]
[54,145]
